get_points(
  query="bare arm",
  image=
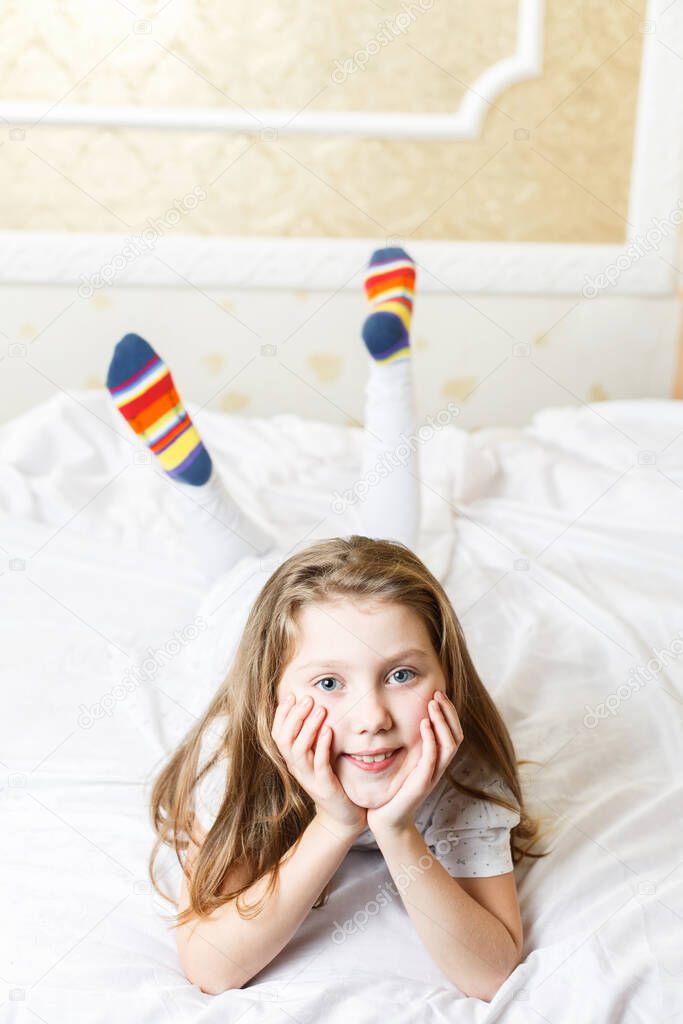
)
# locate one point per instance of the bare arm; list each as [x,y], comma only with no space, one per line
[225,951]
[471,927]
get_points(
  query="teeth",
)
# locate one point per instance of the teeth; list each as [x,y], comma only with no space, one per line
[368,760]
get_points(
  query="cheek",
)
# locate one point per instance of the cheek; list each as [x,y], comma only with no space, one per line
[411,722]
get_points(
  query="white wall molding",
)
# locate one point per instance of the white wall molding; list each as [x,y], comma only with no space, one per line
[657,171]
[91,262]
[644,264]
[465,123]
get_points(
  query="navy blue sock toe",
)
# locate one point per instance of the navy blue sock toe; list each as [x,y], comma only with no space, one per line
[143,390]
[389,287]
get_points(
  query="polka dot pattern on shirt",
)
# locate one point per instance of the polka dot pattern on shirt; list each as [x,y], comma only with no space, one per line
[468,836]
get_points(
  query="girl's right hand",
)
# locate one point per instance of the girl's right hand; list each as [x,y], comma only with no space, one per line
[295,727]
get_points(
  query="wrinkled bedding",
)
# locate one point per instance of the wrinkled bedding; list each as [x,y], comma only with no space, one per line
[561,547]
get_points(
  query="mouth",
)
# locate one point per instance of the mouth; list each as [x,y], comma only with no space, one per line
[375,766]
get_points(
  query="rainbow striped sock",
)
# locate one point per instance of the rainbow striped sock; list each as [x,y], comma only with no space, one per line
[390,290]
[142,388]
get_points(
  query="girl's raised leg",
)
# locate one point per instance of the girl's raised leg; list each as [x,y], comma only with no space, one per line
[218,529]
[390,501]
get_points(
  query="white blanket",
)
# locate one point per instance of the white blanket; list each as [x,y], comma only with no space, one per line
[561,547]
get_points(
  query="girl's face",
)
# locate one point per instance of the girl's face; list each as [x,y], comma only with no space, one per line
[371,664]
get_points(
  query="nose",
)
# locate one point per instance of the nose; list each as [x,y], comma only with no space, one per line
[371,712]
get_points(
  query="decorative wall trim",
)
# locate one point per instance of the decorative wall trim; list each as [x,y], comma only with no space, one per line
[657,170]
[466,123]
[488,267]
[95,261]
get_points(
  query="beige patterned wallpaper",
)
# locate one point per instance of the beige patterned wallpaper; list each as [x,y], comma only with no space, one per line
[553,164]
[519,181]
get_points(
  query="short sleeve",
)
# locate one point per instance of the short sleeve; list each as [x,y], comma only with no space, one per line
[471,837]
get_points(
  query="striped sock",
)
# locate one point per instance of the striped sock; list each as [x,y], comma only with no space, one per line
[142,388]
[390,289]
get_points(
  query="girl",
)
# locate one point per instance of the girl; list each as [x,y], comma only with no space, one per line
[351,715]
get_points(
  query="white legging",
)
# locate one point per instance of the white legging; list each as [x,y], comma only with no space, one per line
[388,501]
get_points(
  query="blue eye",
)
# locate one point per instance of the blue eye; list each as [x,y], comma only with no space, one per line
[324,679]
[398,671]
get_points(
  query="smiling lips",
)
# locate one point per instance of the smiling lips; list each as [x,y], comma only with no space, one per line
[371,753]
[371,765]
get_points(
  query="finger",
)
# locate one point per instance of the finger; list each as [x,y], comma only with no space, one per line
[429,749]
[289,731]
[287,719]
[442,724]
[454,718]
[282,710]
[309,729]
[294,720]
[451,716]
[424,770]
[321,755]
[448,744]
[311,723]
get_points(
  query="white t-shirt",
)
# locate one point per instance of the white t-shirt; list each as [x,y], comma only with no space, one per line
[469,837]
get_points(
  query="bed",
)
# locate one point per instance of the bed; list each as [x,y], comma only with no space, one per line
[561,547]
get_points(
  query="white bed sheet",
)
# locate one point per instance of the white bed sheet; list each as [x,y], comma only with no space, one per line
[561,547]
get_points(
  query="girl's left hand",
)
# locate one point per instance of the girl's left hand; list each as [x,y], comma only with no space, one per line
[441,737]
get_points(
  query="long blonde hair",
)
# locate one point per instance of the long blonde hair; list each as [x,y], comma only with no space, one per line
[265,810]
